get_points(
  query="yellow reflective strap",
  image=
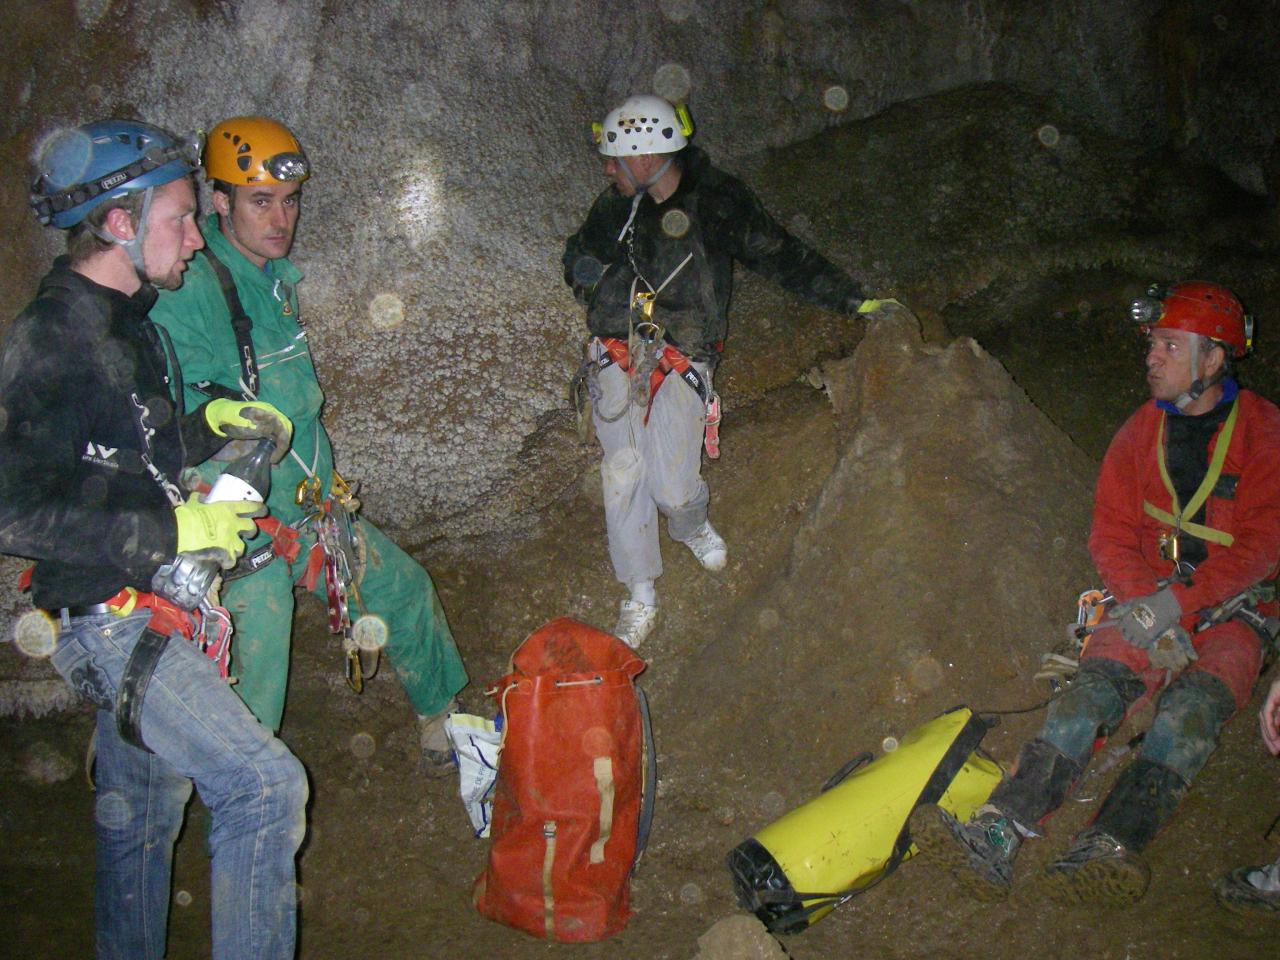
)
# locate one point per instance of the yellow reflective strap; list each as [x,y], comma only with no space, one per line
[1208,534]
[1176,519]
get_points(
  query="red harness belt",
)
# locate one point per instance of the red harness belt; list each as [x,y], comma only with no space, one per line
[670,360]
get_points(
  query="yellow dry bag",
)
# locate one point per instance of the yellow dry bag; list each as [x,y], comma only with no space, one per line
[854,833]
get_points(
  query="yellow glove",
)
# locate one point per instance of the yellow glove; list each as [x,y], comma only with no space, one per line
[249,420]
[216,527]
[871,306]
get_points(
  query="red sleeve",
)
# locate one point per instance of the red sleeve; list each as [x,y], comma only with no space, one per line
[1254,514]
[1115,536]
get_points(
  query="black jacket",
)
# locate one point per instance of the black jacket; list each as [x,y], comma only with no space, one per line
[82,381]
[718,219]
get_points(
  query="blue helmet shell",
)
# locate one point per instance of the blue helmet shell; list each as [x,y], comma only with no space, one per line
[76,167]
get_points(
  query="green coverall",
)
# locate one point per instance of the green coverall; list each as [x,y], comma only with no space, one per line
[420,645]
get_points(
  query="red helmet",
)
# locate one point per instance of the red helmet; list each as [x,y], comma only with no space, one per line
[1207,309]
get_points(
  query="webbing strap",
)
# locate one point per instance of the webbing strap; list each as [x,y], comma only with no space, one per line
[1176,518]
[241,325]
[133,685]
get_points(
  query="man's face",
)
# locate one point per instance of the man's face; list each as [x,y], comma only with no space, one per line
[1169,372]
[172,237]
[261,221]
[641,166]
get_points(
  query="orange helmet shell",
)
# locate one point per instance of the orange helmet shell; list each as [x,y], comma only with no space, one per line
[246,151]
[1206,309]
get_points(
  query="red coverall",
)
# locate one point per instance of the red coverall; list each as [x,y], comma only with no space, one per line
[1124,539]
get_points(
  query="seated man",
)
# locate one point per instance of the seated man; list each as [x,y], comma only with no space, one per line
[1186,516]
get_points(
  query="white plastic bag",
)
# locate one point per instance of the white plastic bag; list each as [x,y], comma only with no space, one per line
[477,743]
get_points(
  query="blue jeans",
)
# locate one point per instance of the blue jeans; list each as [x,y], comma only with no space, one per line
[200,732]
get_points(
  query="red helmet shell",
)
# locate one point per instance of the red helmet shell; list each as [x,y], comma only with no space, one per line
[1206,309]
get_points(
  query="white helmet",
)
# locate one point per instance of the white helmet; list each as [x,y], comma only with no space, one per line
[644,124]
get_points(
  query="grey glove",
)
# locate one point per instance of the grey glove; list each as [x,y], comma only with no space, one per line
[1144,619]
[1172,650]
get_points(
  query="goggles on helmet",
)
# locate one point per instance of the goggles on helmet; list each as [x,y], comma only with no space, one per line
[287,167]
[47,204]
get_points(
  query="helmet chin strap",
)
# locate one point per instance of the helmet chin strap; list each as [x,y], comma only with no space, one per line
[132,247]
[640,189]
[1198,386]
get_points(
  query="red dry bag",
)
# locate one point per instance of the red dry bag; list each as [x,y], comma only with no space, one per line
[568,824]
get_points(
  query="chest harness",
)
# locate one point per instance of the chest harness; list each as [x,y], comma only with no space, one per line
[202,622]
[338,551]
[647,356]
[1179,519]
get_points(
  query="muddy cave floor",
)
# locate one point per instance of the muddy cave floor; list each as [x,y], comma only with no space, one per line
[387,867]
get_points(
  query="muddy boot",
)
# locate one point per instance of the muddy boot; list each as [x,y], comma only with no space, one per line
[437,760]
[1103,865]
[978,854]
[1251,891]
[1098,869]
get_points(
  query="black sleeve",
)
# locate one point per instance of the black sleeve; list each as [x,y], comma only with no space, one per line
[591,251]
[734,216]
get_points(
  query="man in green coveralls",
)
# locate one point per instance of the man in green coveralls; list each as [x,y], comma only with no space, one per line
[257,167]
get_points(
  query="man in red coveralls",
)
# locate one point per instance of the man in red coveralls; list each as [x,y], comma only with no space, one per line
[1186,519]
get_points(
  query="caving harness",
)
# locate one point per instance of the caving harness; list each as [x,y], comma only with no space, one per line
[1179,520]
[648,358]
[338,550]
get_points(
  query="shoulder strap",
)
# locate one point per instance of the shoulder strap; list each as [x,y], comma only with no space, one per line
[240,324]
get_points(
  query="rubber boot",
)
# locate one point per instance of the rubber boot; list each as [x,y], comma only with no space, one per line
[1040,783]
[1103,865]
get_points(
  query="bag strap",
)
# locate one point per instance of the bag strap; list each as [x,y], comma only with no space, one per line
[649,796]
[241,325]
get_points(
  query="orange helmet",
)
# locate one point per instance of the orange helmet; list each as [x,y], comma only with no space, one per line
[1207,309]
[251,150]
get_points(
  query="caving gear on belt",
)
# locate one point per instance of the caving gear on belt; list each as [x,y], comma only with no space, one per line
[1178,519]
[210,630]
[854,833]
[339,553]
[666,359]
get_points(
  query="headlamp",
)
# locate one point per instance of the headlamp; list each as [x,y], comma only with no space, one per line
[1146,311]
[287,167]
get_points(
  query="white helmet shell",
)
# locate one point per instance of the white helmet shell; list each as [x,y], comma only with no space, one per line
[644,124]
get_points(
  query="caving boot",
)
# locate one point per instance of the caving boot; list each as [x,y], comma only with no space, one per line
[708,546]
[978,854]
[437,760]
[636,621]
[1251,891]
[1098,869]
[1103,865]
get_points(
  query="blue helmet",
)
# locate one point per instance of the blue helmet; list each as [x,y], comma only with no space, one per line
[84,167]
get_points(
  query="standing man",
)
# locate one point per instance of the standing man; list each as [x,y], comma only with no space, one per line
[1186,525]
[92,440]
[653,263]
[235,328]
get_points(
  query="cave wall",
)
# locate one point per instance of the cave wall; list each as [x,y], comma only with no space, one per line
[450,143]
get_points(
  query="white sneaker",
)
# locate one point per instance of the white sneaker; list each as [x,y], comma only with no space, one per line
[708,546]
[636,621]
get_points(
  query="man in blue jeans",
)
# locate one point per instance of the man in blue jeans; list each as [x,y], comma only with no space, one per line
[92,440]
